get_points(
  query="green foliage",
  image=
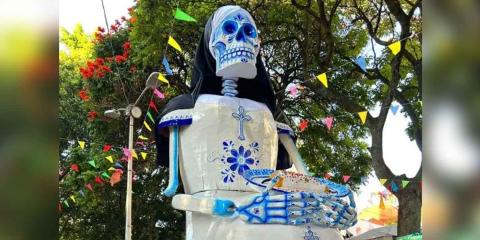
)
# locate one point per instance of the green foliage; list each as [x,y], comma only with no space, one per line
[296,46]
[108,78]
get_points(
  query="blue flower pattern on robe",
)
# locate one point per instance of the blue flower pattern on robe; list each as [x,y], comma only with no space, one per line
[239,160]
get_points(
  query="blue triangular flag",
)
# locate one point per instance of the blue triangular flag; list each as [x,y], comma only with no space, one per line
[394,186]
[362,63]
[118,165]
[167,66]
[394,109]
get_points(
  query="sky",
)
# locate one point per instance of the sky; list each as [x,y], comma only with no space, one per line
[401,155]
[90,13]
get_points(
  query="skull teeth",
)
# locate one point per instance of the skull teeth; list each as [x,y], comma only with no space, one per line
[243,54]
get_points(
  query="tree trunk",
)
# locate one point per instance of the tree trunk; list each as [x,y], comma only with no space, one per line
[410,198]
[409,209]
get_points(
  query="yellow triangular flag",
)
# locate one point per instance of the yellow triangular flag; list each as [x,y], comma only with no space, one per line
[383,181]
[82,144]
[134,154]
[111,169]
[141,137]
[73,198]
[147,126]
[144,155]
[323,79]
[382,204]
[395,47]
[109,158]
[363,116]
[174,43]
[162,78]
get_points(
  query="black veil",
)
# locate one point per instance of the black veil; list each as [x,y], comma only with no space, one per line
[205,81]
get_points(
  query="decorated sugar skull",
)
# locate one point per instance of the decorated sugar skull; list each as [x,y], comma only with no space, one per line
[234,43]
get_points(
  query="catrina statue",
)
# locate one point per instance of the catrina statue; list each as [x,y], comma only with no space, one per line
[223,142]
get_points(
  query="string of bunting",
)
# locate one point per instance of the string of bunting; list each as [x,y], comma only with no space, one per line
[395,48]
[116,168]
[361,62]
[329,119]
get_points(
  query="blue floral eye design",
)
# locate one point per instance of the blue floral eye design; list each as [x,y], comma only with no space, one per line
[230,27]
[249,30]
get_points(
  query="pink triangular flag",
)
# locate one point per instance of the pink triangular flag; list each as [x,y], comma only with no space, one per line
[89,186]
[329,122]
[158,94]
[127,153]
[345,178]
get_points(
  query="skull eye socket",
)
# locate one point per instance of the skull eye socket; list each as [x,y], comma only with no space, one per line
[230,27]
[249,30]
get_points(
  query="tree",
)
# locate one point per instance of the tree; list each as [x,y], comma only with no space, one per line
[96,74]
[395,77]
[300,39]
[303,38]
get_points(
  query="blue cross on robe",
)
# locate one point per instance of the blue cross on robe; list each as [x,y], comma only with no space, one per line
[241,116]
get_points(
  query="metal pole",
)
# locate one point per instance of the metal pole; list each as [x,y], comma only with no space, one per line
[128,204]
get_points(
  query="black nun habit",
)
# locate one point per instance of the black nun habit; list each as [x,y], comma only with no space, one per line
[205,81]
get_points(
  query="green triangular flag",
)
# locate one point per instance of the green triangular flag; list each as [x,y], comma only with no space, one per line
[181,15]
[104,174]
[405,183]
[92,162]
[150,117]
[66,203]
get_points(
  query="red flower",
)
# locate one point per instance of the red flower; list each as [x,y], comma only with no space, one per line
[126,46]
[91,115]
[99,61]
[101,29]
[124,18]
[90,64]
[100,74]
[86,73]
[83,95]
[133,20]
[130,10]
[120,58]
[106,68]
[303,125]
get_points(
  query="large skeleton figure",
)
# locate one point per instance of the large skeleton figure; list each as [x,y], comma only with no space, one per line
[227,147]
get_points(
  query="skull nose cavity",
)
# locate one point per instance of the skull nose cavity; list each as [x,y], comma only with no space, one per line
[241,35]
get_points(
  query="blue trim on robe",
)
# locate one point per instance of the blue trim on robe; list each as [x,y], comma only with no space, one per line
[176,118]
